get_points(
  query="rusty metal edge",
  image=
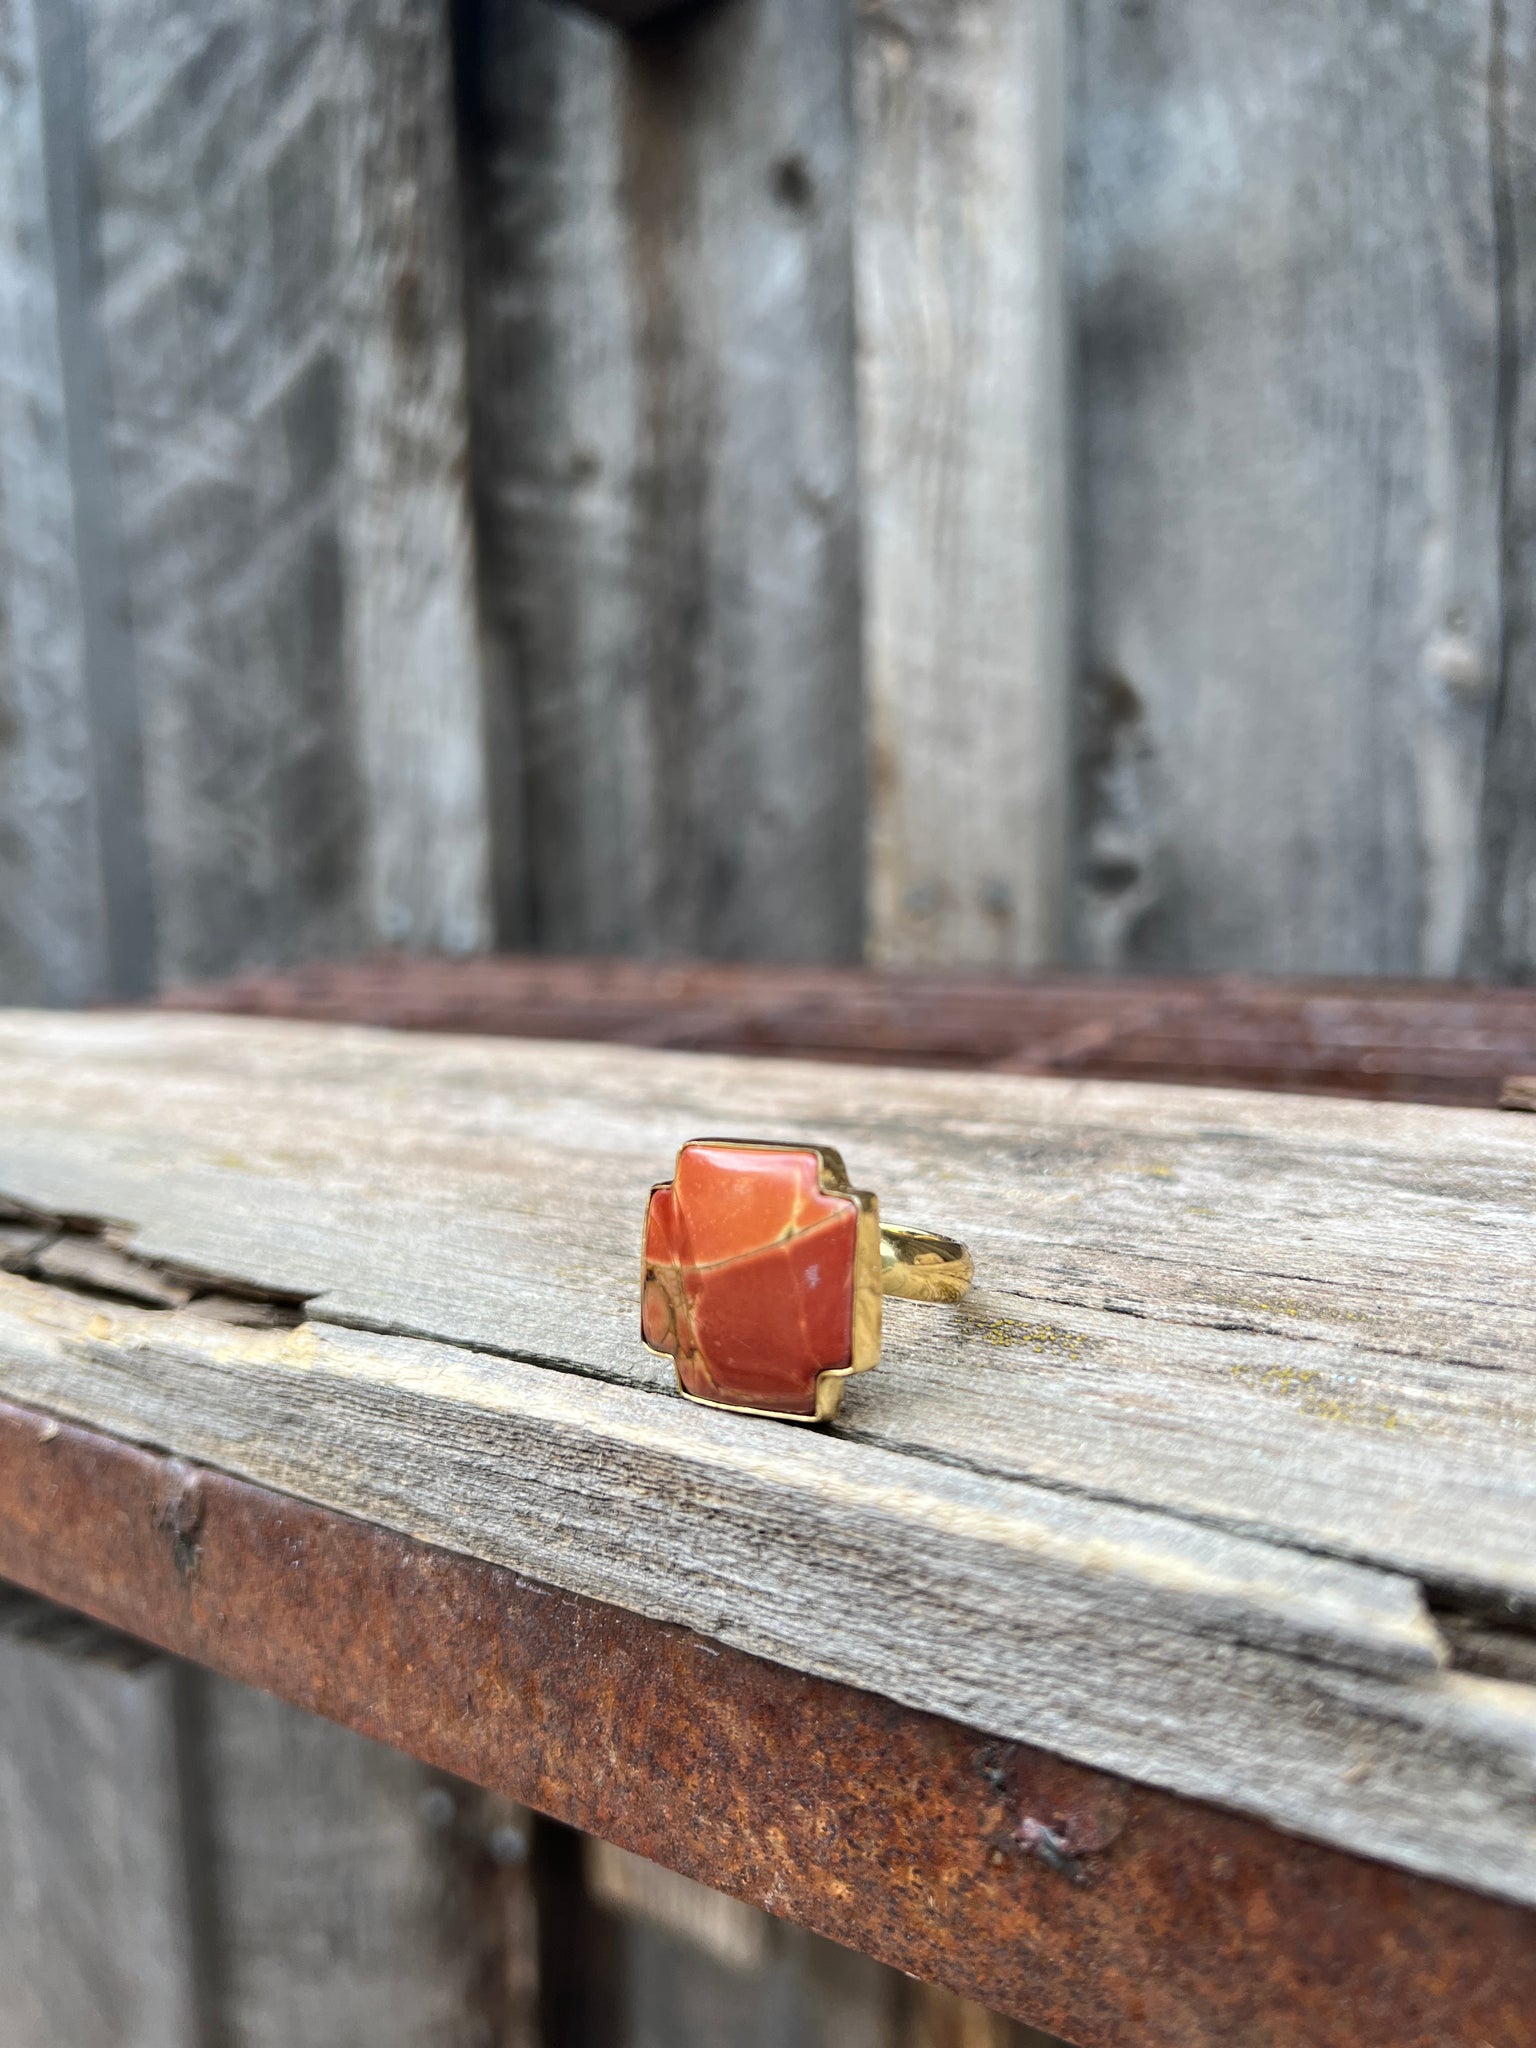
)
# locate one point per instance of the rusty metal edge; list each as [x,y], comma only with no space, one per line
[1104,1911]
[1452,1043]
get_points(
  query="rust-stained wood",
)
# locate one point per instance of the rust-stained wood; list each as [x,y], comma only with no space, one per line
[1403,1041]
[1107,1911]
[1240,1408]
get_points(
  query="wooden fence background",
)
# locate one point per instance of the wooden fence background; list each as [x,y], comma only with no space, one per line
[957,481]
[923,476]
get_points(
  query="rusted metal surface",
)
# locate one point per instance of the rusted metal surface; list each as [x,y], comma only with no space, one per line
[1105,1911]
[1403,1041]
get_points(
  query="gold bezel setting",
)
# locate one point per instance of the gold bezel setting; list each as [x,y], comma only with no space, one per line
[865,1333]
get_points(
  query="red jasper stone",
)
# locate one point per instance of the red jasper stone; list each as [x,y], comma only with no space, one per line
[749,1276]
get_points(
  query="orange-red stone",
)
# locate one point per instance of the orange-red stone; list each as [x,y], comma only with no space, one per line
[749,1276]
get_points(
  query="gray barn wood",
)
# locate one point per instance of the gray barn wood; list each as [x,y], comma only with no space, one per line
[345,1912]
[232,480]
[265,386]
[1505,934]
[96,1930]
[1197,1553]
[958,239]
[412,641]
[1299,328]
[53,922]
[183,1860]
[275,204]
[661,313]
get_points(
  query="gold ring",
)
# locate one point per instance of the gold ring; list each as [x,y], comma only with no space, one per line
[762,1274]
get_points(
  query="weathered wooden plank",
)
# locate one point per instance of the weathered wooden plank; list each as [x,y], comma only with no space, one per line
[1045,1889]
[108,655]
[96,1943]
[275,203]
[345,1912]
[1504,942]
[728,1931]
[53,926]
[958,237]
[413,642]
[1178,1302]
[626,12]
[1173,1654]
[1294,348]
[439,1187]
[665,444]
[184,1859]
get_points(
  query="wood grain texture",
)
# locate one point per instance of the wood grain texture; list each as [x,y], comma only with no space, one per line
[1158,1266]
[53,925]
[661,313]
[1229,1671]
[627,13]
[95,1928]
[344,1913]
[1294,353]
[109,662]
[1191,1552]
[958,235]
[1505,937]
[274,201]
[184,1860]
[413,641]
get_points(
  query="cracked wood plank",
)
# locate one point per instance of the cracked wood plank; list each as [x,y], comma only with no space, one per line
[1177,1304]
[1134,1502]
[1296,1688]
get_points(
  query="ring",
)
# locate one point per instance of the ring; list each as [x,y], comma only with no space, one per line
[762,1275]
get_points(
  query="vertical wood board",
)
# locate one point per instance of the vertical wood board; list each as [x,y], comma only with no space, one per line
[664,416]
[1287,313]
[52,916]
[412,640]
[108,661]
[344,1918]
[279,305]
[95,1930]
[958,237]
[1504,944]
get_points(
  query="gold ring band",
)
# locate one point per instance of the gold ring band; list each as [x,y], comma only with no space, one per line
[919,1265]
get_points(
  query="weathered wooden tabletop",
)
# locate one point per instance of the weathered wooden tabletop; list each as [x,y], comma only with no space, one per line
[1223,1479]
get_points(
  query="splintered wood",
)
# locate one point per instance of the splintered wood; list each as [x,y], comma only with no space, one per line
[1224,1477]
